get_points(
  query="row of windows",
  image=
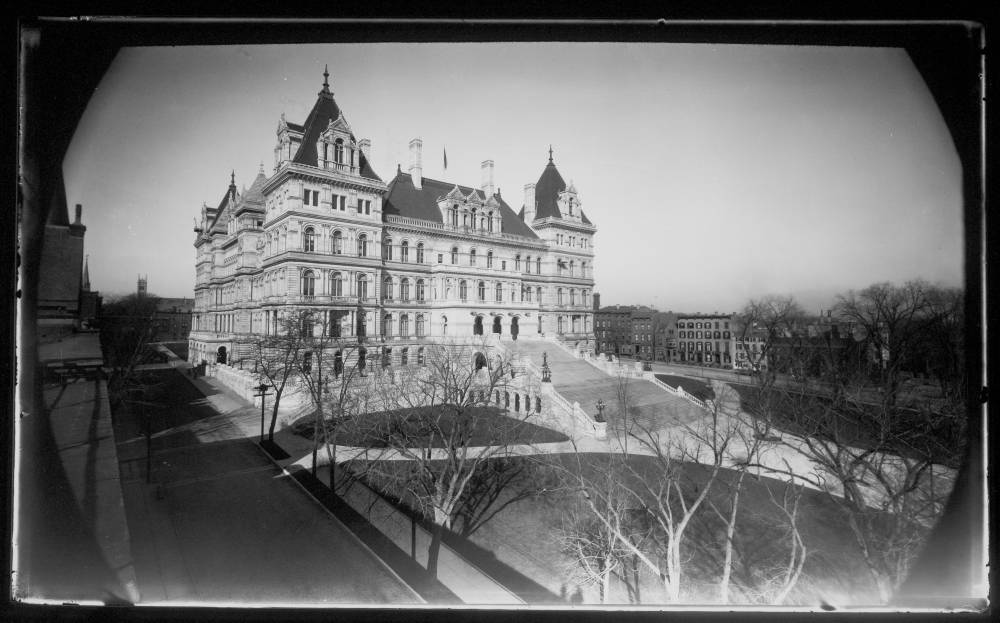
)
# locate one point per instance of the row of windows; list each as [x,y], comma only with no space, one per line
[572,241]
[702,325]
[309,239]
[707,334]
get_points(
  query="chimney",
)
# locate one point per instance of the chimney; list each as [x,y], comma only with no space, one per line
[487,186]
[366,148]
[529,203]
[416,168]
[79,213]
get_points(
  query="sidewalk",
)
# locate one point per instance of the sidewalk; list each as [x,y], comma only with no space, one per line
[80,417]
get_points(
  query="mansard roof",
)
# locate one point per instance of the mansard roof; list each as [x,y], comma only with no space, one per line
[404,199]
[324,112]
[547,190]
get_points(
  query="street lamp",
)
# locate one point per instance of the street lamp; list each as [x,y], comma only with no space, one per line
[600,410]
[262,388]
[546,372]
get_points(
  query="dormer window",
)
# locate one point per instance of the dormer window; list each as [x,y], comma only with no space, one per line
[338,151]
[571,206]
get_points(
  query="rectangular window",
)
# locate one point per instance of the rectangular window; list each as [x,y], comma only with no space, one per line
[440,258]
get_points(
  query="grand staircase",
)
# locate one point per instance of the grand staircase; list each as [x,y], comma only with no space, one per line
[579,381]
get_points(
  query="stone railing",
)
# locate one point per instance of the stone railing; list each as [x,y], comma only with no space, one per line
[679,392]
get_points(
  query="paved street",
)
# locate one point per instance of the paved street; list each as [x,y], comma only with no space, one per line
[221,524]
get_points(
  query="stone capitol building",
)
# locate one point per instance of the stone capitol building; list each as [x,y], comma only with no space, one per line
[393,265]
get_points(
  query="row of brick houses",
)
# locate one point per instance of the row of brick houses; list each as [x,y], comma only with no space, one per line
[700,339]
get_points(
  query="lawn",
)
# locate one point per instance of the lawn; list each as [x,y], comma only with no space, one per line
[527,535]
[488,424]
[698,389]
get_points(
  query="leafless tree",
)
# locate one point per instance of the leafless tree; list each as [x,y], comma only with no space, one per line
[767,318]
[437,434]
[128,325]
[337,391]
[276,358]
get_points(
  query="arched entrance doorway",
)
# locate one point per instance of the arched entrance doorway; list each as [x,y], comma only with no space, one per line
[514,329]
[477,327]
[496,325]
[220,355]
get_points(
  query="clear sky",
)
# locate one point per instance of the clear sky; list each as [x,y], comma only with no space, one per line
[714,173]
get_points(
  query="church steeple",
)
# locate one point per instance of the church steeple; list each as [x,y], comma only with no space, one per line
[85,286]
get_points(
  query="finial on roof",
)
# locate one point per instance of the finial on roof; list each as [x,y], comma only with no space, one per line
[232,178]
[399,168]
[326,79]
[550,154]
[260,171]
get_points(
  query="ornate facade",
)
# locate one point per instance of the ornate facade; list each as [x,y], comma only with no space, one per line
[395,264]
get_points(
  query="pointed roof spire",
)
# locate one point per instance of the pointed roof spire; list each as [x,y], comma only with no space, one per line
[326,81]
[550,153]
[232,184]
[86,274]
[260,171]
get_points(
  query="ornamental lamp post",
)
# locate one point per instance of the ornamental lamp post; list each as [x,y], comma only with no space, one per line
[600,410]
[262,389]
[546,372]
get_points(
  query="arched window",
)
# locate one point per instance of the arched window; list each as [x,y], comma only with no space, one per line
[338,151]
[572,268]
[517,262]
[583,269]
[309,239]
[561,323]
[338,243]
[308,283]
[538,292]
[499,293]
[454,216]
[404,290]
[538,265]
[482,290]
[420,290]
[387,288]
[420,253]
[404,325]
[404,357]
[489,259]
[463,290]
[572,296]
[527,295]
[362,245]
[420,325]
[387,325]
[490,215]
[559,296]
[454,255]
[404,251]
[362,287]
[472,257]
[336,284]
[387,249]
[444,325]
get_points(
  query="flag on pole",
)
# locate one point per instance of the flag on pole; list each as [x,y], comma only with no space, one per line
[445,154]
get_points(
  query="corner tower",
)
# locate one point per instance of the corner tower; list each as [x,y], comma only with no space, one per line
[554,211]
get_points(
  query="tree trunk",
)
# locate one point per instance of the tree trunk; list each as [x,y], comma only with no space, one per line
[605,582]
[274,416]
[727,565]
[434,549]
